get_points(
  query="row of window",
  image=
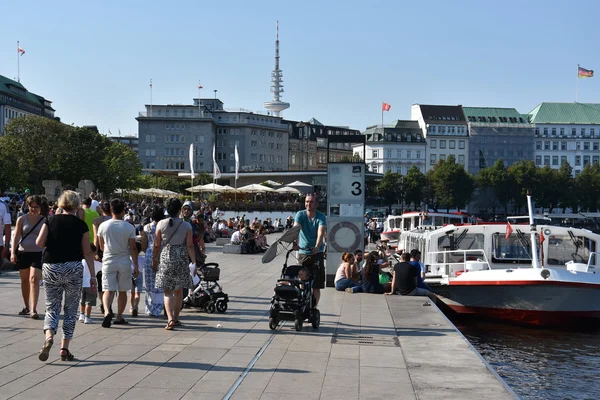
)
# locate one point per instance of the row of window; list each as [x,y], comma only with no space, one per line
[451,144]
[232,143]
[19,103]
[180,126]
[555,160]
[301,160]
[270,134]
[398,169]
[433,159]
[390,153]
[513,120]
[451,129]
[583,131]
[563,145]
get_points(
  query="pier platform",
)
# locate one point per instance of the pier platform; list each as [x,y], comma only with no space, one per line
[368,347]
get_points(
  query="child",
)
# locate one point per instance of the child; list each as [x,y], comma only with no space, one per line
[303,275]
[137,283]
[88,297]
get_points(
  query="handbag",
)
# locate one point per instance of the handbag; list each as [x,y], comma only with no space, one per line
[29,232]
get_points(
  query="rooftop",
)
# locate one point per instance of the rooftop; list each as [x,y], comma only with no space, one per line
[565,113]
[442,114]
[17,90]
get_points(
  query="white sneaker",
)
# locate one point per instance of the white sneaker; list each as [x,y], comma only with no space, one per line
[81,317]
[88,320]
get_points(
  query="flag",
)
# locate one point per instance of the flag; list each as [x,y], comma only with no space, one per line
[509,230]
[584,73]
[237,163]
[199,85]
[192,161]
[150,83]
[385,107]
[20,50]
[217,171]
[542,238]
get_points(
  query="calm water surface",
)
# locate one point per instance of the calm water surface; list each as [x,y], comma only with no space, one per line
[539,364]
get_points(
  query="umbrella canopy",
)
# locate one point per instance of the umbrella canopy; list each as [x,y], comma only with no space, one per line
[227,189]
[255,188]
[272,183]
[299,184]
[209,187]
[152,191]
[287,190]
[169,193]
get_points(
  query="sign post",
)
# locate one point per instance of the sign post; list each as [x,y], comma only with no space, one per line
[345,209]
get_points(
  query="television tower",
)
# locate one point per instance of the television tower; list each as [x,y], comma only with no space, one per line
[276,106]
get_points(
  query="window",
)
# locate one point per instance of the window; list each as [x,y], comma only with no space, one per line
[537,131]
[554,160]
[563,145]
[389,154]
[418,154]
[554,145]
[442,144]
[231,156]
[452,144]
[582,131]
[399,153]
[563,159]
[432,159]
[593,131]
[546,160]
[562,131]
[293,159]
[586,160]
[538,160]
[573,131]
[578,160]
[595,145]
[461,159]
[578,145]
[567,246]
[375,154]
[147,138]
[433,144]
[553,131]
[461,144]
[586,145]
[546,145]
[595,160]
[545,131]
[408,154]
[538,145]
[442,157]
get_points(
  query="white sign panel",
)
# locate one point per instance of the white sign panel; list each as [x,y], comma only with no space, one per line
[346,183]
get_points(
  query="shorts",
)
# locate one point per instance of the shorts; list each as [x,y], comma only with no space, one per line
[116,277]
[88,298]
[137,283]
[27,259]
[314,263]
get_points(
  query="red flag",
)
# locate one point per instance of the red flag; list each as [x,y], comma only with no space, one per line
[20,50]
[542,238]
[385,107]
[509,230]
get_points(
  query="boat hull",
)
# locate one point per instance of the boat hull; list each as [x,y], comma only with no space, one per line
[531,303]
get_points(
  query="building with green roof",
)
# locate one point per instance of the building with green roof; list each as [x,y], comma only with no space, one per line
[497,133]
[566,132]
[17,101]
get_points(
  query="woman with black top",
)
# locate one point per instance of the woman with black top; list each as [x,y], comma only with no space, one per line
[370,281]
[175,237]
[66,239]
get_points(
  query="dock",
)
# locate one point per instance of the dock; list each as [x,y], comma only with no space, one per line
[367,347]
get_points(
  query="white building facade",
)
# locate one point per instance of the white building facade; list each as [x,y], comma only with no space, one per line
[566,132]
[445,130]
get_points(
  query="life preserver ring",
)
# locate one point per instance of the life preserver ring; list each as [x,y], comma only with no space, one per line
[358,238]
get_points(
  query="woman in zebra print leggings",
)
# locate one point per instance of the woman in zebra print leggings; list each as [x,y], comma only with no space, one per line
[66,239]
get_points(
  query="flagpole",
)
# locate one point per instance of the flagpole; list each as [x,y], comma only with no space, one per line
[150,97]
[577,91]
[382,115]
[199,106]
[18,63]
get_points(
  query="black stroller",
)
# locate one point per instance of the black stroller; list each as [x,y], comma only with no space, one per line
[207,294]
[293,299]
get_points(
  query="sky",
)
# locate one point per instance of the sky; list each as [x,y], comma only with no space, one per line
[340,59]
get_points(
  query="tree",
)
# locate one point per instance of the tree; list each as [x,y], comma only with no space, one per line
[587,185]
[452,185]
[496,178]
[390,189]
[121,168]
[12,174]
[567,198]
[523,179]
[414,184]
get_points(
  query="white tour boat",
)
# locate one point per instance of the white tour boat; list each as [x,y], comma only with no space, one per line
[394,224]
[488,269]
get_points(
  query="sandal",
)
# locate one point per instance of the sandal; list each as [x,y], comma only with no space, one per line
[24,311]
[45,351]
[34,316]
[66,355]
[170,326]
[177,322]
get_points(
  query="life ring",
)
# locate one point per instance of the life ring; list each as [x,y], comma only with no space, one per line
[358,237]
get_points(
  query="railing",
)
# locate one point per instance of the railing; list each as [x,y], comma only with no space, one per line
[455,262]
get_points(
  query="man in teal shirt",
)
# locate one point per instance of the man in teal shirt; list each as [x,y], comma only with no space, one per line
[311,242]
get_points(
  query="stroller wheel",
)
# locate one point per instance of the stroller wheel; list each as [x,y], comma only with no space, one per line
[210,307]
[315,319]
[273,322]
[298,325]
[221,306]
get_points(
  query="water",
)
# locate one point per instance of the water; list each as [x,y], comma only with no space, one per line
[539,363]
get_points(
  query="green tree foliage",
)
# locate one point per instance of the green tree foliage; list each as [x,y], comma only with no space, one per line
[414,185]
[452,185]
[498,180]
[587,185]
[39,148]
[390,189]
[524,179]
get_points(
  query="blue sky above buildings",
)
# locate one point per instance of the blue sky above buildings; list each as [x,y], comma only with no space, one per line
[340,59]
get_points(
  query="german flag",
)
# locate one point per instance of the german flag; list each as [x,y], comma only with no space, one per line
[584,73]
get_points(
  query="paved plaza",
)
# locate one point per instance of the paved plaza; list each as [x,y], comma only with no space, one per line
[368,347]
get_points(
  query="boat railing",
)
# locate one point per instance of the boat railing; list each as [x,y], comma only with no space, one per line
[453,263]
[593,263]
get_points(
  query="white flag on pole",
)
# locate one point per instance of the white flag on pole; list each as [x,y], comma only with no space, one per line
[192,161]
[217,171]
[237,162]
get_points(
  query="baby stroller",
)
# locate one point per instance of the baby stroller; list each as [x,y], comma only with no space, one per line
[207,294]
[293,299]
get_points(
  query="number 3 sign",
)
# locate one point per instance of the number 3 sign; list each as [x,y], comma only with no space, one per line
[346,183]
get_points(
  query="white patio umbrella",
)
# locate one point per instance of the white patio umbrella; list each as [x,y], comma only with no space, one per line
[209,187]
[299,184]
[169,193]
[227,189]
[255,188]
[288,190]
[152,191]
[194,189]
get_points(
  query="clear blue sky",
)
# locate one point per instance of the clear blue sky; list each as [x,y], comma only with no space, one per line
[340,59]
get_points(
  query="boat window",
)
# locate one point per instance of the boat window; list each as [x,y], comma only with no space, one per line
[564,248]
[515,249]
[406,222]
[439,221]
[391,222]
[455,221]
[456,241]
[426,220]
[398,223]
